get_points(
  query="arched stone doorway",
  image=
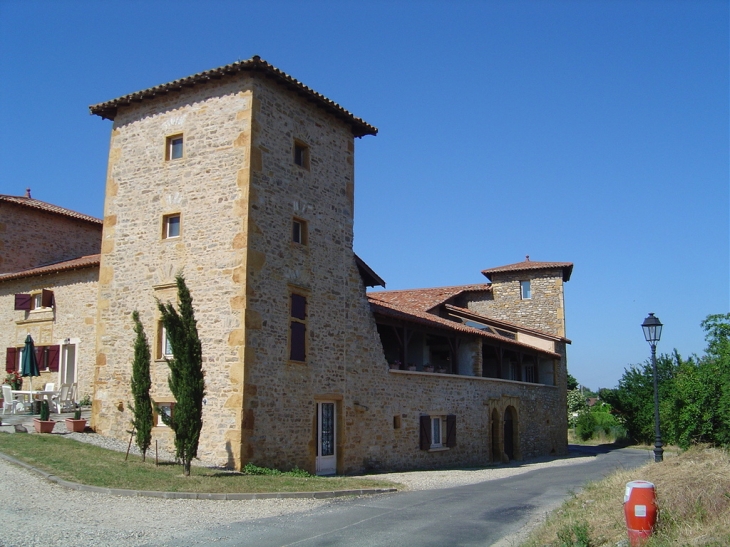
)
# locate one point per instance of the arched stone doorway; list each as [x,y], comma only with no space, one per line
[496,452]
[510,428]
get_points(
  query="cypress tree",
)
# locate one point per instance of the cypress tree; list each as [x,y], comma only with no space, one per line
[186,379]
[141,383]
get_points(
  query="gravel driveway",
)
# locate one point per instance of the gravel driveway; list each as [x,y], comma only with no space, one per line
[35,512]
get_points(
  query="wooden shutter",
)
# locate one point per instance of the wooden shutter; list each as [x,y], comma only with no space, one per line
[40,357]
[297,341]
[22,302]
[299,306]
[451,430]
[47,298]
[54,353]
[11,359]
[425,440]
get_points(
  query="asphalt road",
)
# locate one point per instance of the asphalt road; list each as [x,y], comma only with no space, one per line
[474,515]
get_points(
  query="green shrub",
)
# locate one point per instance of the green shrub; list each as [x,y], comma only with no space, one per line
[585,425]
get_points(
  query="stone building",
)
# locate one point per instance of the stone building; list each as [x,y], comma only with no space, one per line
[49,289]
[242,179]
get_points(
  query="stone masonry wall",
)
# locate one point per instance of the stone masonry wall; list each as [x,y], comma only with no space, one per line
[31,238]
[208,188]
[73,317]
[543,311]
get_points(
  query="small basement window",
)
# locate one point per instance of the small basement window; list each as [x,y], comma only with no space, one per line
[174,147]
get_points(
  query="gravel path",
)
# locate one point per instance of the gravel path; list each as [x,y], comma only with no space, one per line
[35,512]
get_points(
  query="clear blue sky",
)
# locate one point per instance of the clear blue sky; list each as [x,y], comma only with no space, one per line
[589,132]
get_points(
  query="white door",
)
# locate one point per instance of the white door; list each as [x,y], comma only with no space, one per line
[326,439]
[68,364]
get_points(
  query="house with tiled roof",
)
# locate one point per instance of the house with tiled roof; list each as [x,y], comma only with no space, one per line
[242,179]
[48,289]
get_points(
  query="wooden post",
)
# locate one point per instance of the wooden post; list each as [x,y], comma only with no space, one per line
[131,435]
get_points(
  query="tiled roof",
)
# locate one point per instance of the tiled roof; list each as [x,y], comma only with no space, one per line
[74,264]
[49,208]
[424,299]
[255,64]
[528,264]
[395,311]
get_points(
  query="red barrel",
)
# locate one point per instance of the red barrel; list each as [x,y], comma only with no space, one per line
[640,511]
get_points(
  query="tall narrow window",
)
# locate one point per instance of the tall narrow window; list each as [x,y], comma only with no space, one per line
[525,290]
[298,328]
[301,154]
[299,231]
[171,226]
[174,148]
[164,348]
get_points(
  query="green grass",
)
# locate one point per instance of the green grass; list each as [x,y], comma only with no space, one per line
[88,464]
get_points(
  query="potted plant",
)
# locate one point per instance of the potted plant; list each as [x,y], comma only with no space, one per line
[44,424]
[395,365]
[76,424]
[411,366]
[428,367]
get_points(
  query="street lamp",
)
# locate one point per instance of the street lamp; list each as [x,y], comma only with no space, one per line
[653,332]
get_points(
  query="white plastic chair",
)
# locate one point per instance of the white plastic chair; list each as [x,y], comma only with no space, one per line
[63,402]
[8,400]
[49,386]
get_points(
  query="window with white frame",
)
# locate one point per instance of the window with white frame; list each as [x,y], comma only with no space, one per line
[299,231]
[164,347]
[525,290]
[174,147]
[163,407]
[171,226]
[438,431]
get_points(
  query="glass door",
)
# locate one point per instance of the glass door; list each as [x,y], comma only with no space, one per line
[326,439]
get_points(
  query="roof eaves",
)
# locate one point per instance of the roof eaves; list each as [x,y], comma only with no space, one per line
[108,110]
[80,263]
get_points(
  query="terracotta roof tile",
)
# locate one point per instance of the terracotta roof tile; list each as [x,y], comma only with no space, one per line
[390,309]
[74,264]
[359,127]
[528,264]
[48,207]
[424,299]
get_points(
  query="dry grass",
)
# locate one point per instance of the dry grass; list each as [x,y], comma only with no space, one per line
[693,496]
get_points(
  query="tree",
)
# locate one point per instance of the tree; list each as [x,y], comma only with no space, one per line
[576,406]
[572,382]
[187,379]
[141,383]
[717,335]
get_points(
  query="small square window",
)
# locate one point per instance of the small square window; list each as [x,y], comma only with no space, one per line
[174,147]
[166,408]
[525,290]
[171,226]
[37,301]
[299,231]
[301,154]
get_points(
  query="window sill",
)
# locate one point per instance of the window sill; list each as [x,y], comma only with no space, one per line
[439,449]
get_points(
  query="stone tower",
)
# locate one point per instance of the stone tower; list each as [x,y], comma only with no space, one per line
[241,178]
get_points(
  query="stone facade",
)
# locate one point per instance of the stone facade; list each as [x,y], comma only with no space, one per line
[545,309]
[261,152]
[34,233]
[69,324]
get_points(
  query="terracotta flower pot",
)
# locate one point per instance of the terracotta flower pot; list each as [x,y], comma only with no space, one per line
[43,426]
[75,426]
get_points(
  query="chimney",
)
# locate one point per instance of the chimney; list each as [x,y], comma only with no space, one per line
[27,193]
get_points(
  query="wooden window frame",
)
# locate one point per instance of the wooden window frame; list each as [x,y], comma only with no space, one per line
[162,402]
[169,147]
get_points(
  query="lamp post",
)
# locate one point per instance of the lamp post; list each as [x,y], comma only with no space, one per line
[653,332]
